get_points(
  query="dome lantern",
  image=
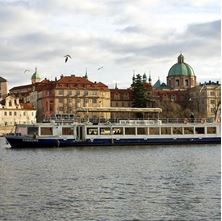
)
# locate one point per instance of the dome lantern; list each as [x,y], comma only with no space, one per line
[180,59]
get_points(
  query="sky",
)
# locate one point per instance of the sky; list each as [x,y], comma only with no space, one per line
[122,36]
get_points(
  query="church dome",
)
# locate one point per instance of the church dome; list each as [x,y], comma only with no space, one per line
[181,68]
[36,77]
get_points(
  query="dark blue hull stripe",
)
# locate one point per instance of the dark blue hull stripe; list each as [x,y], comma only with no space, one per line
[18,142]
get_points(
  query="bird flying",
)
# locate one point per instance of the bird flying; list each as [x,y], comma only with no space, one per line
[67,57]
[26,70]
[100,68]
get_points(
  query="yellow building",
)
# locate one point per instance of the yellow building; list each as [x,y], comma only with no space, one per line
[12,112]
[205,100]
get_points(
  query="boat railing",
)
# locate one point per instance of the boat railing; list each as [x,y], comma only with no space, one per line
[138,121]
[159,121]
[186,120]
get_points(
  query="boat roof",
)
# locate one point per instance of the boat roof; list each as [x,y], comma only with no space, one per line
[119,109]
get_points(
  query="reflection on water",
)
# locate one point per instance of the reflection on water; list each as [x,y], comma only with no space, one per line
[130,183]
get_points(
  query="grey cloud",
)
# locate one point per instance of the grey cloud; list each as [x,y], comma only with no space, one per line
[14,3]
[204,40]
[206,30]
[131,29]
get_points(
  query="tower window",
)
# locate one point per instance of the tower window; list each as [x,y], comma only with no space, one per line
[177,83]
[186,83]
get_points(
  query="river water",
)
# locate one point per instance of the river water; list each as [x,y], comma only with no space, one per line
[110,183]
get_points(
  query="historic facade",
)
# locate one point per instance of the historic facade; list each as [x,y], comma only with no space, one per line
[66,95]
[205,100]
[181,75]
[13,112]
[3,88]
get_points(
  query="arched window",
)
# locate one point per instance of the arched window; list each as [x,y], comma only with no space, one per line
[177,82]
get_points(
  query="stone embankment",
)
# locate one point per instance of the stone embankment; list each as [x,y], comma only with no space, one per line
[6,129]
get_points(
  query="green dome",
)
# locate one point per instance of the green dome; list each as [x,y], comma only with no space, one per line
[36,75]
[181,68]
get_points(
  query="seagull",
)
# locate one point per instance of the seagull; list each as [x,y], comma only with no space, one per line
[100,68]
[26,70]
[67,57]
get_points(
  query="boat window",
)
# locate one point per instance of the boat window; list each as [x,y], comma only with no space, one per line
[199,130]
[154,130]
[211,130]
[21,130]
[130,130]
[141,130]
[177,130]
[67,131]
[117,130]
[105,131]
[188,130]
[46,131]
[32,130]
[92,131]
[165,130]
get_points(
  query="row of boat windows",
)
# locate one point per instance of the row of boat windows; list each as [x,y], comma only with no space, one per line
[150,130]
[127,130]
[49,131]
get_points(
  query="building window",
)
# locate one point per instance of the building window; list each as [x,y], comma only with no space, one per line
[173,97]
[212,93]
[69,92]
[15,113]
[94,100]
[5,113]
[177,83]
[10,113]
[186,83]
[212,101]
[61,92]
[94,93]
[86,92]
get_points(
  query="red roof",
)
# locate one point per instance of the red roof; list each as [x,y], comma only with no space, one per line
[79,82]
[27,106]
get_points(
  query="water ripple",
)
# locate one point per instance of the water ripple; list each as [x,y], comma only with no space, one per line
[162,183]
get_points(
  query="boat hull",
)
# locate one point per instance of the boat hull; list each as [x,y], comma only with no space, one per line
[21,142]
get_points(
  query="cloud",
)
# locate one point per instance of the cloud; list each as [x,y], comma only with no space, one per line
[206,30]
[116,33]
